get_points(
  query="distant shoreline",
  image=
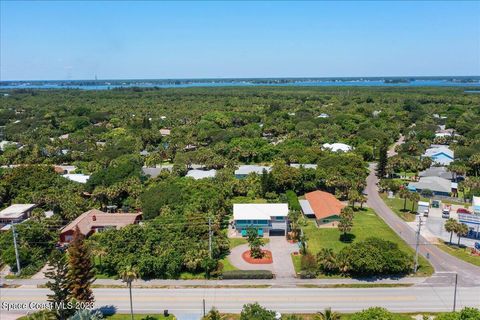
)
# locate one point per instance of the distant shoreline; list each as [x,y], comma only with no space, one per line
[464,81]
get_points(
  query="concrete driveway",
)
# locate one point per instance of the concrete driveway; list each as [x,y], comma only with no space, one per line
[281,249]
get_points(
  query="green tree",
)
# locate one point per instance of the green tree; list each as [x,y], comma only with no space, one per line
[213,314]
[474,162]
[404,193]
[81,274]
[255,311]
[346,221]
[327,261]
[59,284]
[327,314]
[255,243]
[461,230]
[382,159]
[451,226]
[414,197]
[128,275]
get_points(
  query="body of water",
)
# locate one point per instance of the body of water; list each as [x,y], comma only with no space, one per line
[107,85]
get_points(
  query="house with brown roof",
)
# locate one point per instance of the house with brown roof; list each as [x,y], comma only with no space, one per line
[322,206]
[96,221]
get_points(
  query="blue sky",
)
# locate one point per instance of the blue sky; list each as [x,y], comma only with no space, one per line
[132,40]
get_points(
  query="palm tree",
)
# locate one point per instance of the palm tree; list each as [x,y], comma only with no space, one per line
[414,197]
[474,162]
[327,260]
[404,194]
[129,274]
[328,314]
[461,230]
[451,226]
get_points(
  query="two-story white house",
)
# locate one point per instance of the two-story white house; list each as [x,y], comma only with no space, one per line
[267,218]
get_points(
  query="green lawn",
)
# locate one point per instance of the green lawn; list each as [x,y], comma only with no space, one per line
[396,204]
[366,224]
[297,261]
[234,242]
[461,253]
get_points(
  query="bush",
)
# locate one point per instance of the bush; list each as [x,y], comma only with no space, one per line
[377,313]
[375,256]
[257,312]
[247,274]
[308,265]
[465,314]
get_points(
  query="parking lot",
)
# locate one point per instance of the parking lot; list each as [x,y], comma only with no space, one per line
[434,228]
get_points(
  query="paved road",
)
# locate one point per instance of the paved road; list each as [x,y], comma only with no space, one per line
[391,151]
[187,303]
[469,275]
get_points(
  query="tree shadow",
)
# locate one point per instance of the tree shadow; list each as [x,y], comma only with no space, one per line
[347,238]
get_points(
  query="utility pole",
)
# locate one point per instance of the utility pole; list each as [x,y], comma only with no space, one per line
[16,248]
[415,268]
[210,237]
[455,293]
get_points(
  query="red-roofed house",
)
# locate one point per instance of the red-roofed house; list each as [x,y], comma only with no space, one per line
[323,206]
[95,220]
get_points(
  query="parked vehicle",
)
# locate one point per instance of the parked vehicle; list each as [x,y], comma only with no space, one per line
[463,210]
[446,211]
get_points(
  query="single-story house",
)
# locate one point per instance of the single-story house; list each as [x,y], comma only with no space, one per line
[267,218]
[16,213]
[154,172]
[304,165]
[476,205]
[201,174]
[323,206]
[4,144]
[244,170]
[335,147]
[165,132]
[64,169]
[323,115]
[439,186]
[96,221]
[439,154]
[77,177]
[441,172]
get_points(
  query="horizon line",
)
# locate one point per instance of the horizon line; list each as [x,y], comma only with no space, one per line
[249,78]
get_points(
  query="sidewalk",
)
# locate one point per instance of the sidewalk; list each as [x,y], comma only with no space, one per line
[268,282]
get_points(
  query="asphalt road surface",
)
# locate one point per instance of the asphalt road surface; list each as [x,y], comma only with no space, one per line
[444,264]
[187,303]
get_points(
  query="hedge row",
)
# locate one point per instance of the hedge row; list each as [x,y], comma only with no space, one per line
[247,274]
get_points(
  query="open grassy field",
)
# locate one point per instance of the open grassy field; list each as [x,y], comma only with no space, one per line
[366,224]
[396,204]
[462,253]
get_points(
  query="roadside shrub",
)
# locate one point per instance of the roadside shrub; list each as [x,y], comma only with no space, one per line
[308,265]
[255,311]
[247,274]
[377,313]
[465,314]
